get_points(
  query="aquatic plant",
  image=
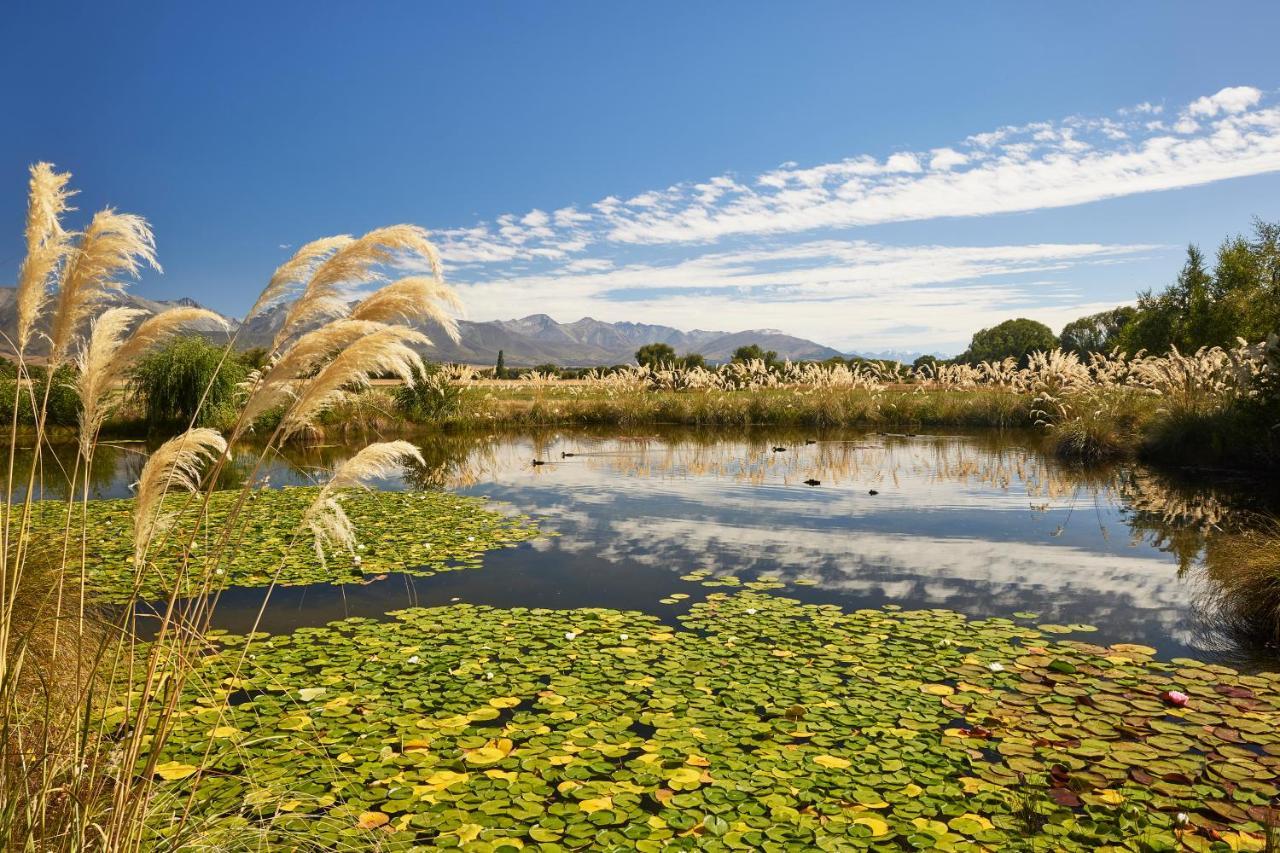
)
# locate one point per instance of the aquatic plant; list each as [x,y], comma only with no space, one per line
[759,723]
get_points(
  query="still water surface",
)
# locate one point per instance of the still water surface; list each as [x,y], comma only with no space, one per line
[981,523]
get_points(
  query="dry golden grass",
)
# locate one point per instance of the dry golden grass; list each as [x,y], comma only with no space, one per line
[60,791]
[114,244]
[47,245]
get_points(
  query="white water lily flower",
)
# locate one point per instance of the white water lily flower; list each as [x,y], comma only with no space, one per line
[455,598]
[356,559]
[217,572]
[751,611]
[569,635]
[995,667]
[360,547]
[471,538]
[488,676]
[426,544]
[414,659]
[622,637]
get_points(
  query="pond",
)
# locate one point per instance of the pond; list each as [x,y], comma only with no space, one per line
[982,523]
[672,639]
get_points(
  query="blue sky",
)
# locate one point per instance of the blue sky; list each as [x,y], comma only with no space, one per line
[873,178]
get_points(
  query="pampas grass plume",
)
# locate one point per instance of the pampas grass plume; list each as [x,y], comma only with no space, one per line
[47,246]
[325,516]
[112,245]
[174,465]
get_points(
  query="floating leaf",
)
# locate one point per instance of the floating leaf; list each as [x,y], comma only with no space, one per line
[832,761]
[596,804]
[171,770]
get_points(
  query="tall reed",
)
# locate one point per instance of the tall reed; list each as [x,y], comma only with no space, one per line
[71,781]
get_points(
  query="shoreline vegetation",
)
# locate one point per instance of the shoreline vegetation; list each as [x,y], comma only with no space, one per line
[1201,388]
[1212,409]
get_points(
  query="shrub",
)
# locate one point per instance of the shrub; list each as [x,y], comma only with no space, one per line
[433,396]
[171,382]
[64,402]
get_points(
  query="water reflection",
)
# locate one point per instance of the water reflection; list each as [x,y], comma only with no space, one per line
[982,523]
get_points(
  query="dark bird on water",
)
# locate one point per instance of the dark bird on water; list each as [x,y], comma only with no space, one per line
[564,455]
[810,441]
[779,450]
[812,482]
[873,492]
[538,462]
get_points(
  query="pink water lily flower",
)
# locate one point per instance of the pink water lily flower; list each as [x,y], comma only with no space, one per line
[1176,697]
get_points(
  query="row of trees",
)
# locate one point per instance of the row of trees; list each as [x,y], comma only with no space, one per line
[664,355]
[1238,298]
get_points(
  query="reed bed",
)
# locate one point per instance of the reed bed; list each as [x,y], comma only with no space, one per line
[1224,401]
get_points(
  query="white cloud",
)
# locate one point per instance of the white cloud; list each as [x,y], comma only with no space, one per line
[692,251]
[1233,99]
[845,293]
[902,162]
[535,219]
[946,158]
[1035,166]
[1025,169]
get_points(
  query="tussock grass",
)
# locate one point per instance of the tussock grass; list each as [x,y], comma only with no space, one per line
[69,781]
[1243,593]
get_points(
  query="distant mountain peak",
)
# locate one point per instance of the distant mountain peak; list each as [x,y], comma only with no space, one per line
[524,341]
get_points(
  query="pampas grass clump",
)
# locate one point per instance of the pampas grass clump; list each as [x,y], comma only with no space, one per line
[75,788]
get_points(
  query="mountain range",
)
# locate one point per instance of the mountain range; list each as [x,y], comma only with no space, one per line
[536,339]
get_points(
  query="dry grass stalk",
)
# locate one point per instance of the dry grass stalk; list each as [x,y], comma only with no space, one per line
[47,246]
[325,296]
[325,517]
[388,350]
[113,804]
[175,464]
[278,382]
[109,354]
[296,271]
[114,244]
[412,299]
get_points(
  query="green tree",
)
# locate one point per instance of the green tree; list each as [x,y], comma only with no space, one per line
[656,355]
[187,376]
[1097,332]
[691,360]
[1246,285]
[753,352]
[500,369]
[1182,315]
[1192,291]
[64,401]
[924,360]
[255,358]
[1010,339]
